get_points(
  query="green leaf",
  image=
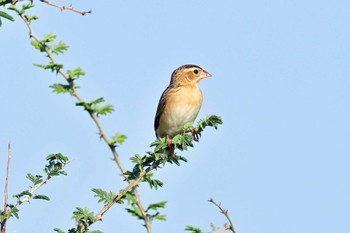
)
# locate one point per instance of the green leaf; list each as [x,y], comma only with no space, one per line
[104,196]
[156,206]
[58,48]
[83,215]
[59,230]
[130,198]
[92,106]
[14,211]
[49,38]
[193,229]
[55,166]
[39,46]
[153,183]
[14,8]
[103,110]
[37,179]
[61,88]
[160,217]
[59,157]
[182,141]
[117,138]
[41,197]
[76,73]
[24,193]
[212,121]
[6,16]
[160,144]
[26,7]
[53,66]
[31,17]
[135,211]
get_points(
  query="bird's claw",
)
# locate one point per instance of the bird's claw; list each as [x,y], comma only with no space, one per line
[196,135]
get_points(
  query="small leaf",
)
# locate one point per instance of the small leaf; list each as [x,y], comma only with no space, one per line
[14,212]
[6,16]
[103,110]
[161,217]
[14,8]
[26,7]
[61,88]
[59,230]
[24,193]
[31,17]
[193,229]
[104,196]
[37,179]
[49,37]
[39,46]
[117,138]
[135,211]
[84,215]
[58,48]
[76,73]
[156,206]
[42,197]
[53,66]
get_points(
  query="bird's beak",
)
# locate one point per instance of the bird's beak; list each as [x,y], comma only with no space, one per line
[204,74]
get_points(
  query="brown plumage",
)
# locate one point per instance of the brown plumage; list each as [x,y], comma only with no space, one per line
[180,102]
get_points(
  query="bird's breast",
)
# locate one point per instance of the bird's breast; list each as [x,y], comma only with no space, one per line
[182,107]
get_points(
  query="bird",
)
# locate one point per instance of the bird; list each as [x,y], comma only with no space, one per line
[180,102]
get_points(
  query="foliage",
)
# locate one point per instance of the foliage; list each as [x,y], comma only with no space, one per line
[55,165]
[143,165]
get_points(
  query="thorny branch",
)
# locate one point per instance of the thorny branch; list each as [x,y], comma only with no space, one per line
[225,227]
[5,213]
[70,8]
[224,212]
[132,184]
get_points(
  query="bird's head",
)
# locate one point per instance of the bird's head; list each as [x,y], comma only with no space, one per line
[188,74]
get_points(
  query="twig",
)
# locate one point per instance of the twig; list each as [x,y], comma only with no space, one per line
[224,212]
[70,8]
[35,188]
[225,227]
[5,213]
[132,184]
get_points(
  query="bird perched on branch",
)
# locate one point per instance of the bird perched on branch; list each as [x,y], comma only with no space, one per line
[180,102]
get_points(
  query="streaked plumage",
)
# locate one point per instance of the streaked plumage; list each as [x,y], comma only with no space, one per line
[180,102]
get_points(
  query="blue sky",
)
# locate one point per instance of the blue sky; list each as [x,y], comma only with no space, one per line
[280,81]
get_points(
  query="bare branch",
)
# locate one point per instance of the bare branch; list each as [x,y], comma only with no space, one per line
[224,212]
[70,8]
[225,227]
[5,213]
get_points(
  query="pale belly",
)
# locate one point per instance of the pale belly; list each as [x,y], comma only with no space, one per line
[178,117]
[183,110]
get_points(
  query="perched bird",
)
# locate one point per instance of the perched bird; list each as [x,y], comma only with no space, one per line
[180,102]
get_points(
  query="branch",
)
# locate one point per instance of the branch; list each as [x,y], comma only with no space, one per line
[224,212]
[225,227]
[35,188]
[5,213]
[70,8]
[95,119]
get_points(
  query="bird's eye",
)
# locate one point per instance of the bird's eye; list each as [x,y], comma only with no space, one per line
[196,71]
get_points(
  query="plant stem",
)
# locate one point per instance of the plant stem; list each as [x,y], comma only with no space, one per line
[132,184]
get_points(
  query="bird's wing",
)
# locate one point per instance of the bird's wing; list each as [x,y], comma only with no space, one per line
[160,109]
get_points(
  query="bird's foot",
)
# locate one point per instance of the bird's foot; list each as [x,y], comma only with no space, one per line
[170,146]
[196,135]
